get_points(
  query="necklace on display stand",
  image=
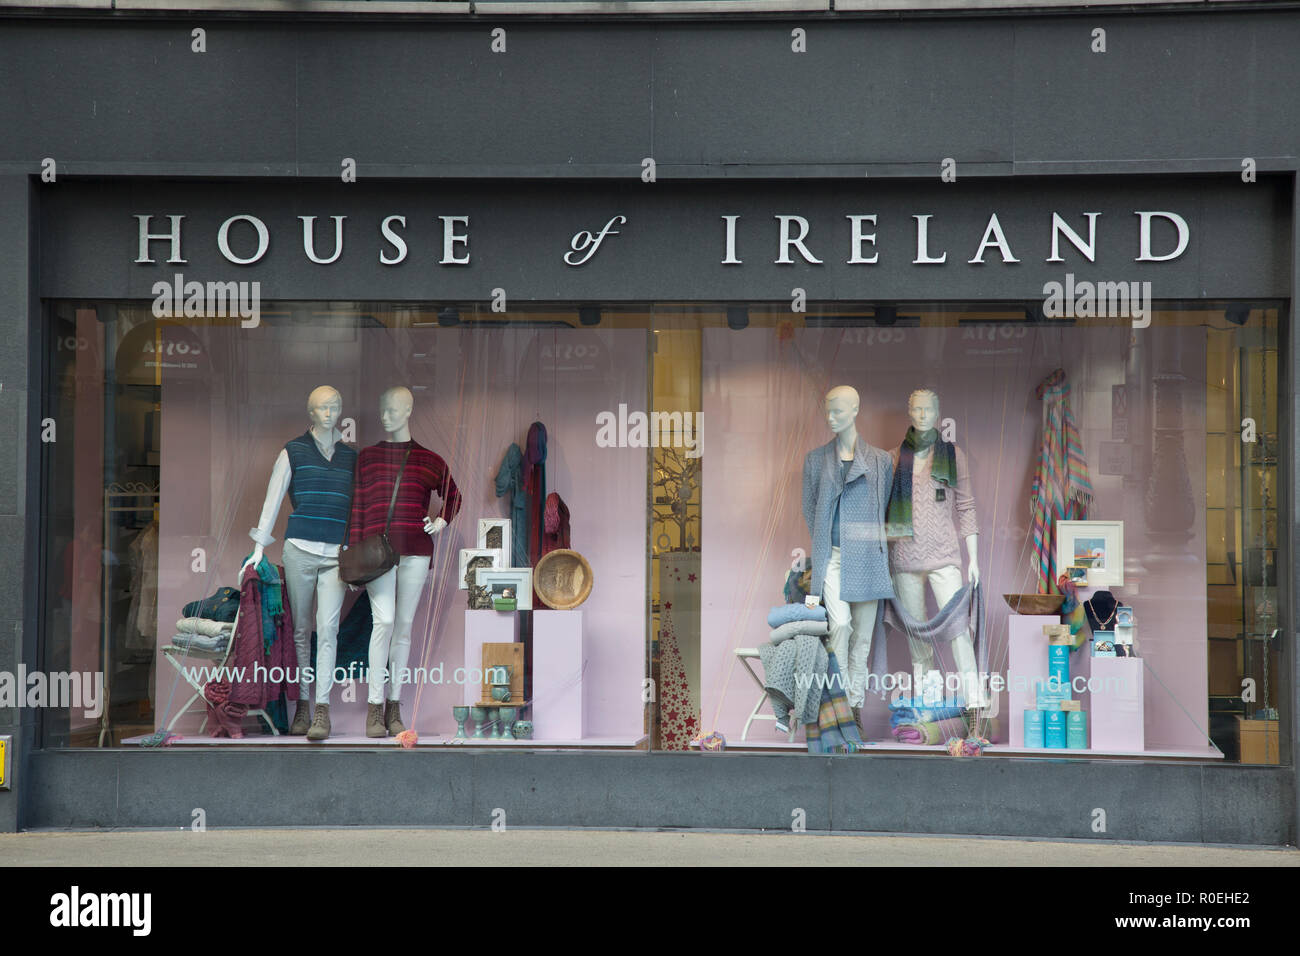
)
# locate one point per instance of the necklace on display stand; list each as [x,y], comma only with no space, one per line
[1094,617]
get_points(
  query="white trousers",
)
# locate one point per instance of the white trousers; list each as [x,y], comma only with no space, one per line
[309,576]
[945,582]
[851,625]
[394,596]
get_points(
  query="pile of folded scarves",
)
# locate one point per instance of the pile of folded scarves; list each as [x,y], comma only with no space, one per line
[911,722]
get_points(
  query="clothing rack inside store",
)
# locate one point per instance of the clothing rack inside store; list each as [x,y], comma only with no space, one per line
[146,497]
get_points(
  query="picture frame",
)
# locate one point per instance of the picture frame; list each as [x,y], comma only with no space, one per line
[499,579]
[469,554]
[485,528]
[1097,546]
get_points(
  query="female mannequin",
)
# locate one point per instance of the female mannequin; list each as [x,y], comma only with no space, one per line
[395,594]
[930,506]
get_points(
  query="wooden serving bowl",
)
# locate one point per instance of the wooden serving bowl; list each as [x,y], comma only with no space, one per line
[1034,603]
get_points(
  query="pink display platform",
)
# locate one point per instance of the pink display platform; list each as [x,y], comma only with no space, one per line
[432,740]
[1118,704]
[996,750]
[1026,663]
[559,660]
[485,627]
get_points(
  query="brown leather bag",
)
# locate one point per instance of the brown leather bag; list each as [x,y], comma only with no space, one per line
[373,555]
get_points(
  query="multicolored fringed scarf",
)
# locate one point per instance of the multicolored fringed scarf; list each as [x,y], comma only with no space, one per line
[272,601]
[1072,612]
[1061,489]
[898,514]
[835,731]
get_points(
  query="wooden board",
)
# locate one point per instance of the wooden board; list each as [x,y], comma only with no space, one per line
[504,655]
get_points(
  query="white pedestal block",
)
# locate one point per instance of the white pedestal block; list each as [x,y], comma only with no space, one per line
[559,694]
[484,627]
[1026,663]
[1118,704]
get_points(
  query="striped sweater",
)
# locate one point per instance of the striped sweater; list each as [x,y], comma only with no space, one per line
[425,473]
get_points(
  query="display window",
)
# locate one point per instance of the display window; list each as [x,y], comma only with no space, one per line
[863,527]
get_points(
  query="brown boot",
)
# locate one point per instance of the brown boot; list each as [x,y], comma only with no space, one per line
[393,718]
[320,724]
[375,721]
[301,719]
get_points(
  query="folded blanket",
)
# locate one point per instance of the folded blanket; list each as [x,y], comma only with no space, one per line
[201,643]
[790,669]
[204,626]
[785,613]
[923,716]
[795,628]
[932,732]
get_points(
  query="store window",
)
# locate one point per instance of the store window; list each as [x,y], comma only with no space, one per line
[611,520]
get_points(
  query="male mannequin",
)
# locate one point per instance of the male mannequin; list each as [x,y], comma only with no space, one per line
[925,518]
[395,594]
[845,489]
[315,470]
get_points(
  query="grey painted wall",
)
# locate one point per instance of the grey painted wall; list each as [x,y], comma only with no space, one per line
[703,98]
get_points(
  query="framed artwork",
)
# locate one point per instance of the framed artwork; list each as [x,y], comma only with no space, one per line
[495,533]
[501,582]
[1097,546]
[478,558]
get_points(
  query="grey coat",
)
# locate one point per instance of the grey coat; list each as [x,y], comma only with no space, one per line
[863,495]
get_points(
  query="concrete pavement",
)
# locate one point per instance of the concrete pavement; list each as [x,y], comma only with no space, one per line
[546,847]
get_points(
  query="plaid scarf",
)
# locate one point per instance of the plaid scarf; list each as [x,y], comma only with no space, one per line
[898,514]
[835,731]
[1061,489]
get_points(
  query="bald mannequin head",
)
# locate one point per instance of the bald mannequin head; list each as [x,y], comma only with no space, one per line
[395,407]
[923,409]
[324,406]
[841,407]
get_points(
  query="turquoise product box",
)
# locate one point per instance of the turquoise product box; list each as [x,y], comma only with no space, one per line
[1058,662]
[1054,728]
[1049,698]
[1034,728]
[1103,643]
[1076,729]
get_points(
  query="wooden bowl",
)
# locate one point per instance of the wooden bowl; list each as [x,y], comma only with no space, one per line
[1034,603]
[562,579]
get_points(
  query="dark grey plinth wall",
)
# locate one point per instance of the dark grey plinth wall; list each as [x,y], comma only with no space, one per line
[1179,92]
[1065,799]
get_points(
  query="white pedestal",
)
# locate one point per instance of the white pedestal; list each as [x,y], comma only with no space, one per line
[484,627]
[1026,663]
[1118,703]
[559,694]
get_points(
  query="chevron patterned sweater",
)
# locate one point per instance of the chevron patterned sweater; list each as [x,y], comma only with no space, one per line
[936,524]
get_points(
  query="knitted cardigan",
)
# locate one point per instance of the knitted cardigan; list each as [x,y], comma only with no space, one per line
[862,496]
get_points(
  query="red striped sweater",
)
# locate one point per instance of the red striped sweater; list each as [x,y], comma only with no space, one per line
[425,473]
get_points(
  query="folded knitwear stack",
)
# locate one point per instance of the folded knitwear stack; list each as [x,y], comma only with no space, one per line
[203,634]
[792,620]
[912,723]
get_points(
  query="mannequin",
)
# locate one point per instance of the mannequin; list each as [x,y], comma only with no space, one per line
[395,594]
[315,470]
[845,490]
[923,531]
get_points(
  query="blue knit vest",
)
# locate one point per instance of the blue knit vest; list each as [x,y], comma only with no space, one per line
[321,491]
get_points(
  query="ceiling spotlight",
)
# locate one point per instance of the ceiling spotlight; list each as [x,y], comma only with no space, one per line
[448,316]
[886,314]
[589,315]
[737,317]
[1238,313]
